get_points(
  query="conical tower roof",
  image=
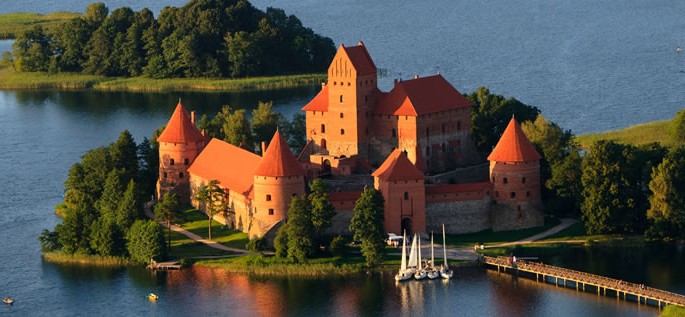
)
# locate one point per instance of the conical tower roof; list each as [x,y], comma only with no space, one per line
[397,167]
[180,129]
[278,160]
[514,146]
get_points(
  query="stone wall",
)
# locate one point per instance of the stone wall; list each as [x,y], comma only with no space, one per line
[472,174]
[507,216]
[341,222]
[459,216]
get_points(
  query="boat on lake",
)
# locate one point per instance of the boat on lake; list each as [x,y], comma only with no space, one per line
[420,271]
[433,273]
[8,300]
[404,273]
[152,297]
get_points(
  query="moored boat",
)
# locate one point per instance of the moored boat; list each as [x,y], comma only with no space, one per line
[8,300]
[404,274]
[152,297]
[420,271]
[445,271]
[433,273]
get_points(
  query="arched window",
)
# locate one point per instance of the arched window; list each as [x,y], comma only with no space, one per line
[342,115]
[171,162]
[323,128]
[342,131]
[406,196]
[323,144]
[505,180]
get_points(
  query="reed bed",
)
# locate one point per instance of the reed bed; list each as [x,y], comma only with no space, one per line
[84,259]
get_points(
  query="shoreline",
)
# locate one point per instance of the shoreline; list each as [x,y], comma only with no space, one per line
[86,260]
[12,80]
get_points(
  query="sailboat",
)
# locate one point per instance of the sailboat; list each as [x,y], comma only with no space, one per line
[403,274]
[445,271]
[420,272]
[432,272]
[412,264]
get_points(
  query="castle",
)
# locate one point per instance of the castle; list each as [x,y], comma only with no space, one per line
[406,143]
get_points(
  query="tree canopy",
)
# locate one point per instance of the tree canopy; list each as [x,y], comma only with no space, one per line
[204,38]
[367,225]
[667,201]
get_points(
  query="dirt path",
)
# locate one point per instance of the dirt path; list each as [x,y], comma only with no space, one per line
[209,243]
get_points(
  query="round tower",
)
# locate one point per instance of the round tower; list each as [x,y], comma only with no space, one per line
[179,145]
[277,179]
[515,178]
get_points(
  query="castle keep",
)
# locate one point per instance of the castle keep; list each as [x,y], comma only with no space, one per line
[403,142]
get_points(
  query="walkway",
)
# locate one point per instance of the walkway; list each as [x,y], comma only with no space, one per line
[209,243]
[580,280]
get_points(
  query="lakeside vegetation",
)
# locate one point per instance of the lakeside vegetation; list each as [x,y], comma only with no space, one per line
[641,134]
[12,24]
[673,311]
[86,259]
[12,79]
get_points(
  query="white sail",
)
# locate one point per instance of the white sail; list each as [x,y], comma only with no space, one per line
[404,253]
[412,255]
[432,253]
[419,254]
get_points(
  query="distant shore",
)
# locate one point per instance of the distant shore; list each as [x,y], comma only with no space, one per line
[12,80]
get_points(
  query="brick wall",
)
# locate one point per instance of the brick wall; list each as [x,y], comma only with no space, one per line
[459,216]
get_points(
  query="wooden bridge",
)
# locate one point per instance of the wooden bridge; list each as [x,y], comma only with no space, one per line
[586,281]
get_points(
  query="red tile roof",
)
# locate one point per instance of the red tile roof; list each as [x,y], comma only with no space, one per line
[278,160]
[514,146]
[232,166]
[397,167]
[320,102]
[360,58]
[421,96]
[456,188]
[180,129]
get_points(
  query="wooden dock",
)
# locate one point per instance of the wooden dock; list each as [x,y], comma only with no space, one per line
[586,282]
[164,266]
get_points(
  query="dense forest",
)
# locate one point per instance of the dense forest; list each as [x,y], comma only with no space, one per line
[204,38]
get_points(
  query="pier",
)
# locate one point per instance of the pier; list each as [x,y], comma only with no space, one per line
[164,266]
[586,282]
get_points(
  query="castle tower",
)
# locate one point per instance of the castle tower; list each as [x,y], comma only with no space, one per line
[338,117]
[402,186]
[179,145]
[515,175]
[277,179]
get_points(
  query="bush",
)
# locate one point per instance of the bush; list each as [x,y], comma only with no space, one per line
[256,245]
[337,246]
[281,242]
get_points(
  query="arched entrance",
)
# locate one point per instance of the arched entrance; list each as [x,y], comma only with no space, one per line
[406,226]
[323,144]
[326,167]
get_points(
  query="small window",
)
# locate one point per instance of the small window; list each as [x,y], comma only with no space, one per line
[493,179]
[335,83]
[342,115]
[496,194]
[271,211]
[528,194]
[427,132]
[323,128]
[342,131]
[513,195]
[406,196]
[186,161]
[171,162]
[165,175]
[394,132]
[505,180]
[458,125]
[366,98]
[294,194]
[268,197]
[444,148]
[180,175]
[341,98]
[518,208]
[428,150]
[523,180]
[367,131]
[443,128]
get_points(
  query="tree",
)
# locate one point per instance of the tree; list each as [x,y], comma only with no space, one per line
[32,49]
[96,13]
[112,193]
[49,241]
[677,127]
[70,44]
[106,237]
[295,131]
[281,242]
[491,115]
[236,128]
[300,229]
[667,201]
[367,225]
[212,200]
[322,210]
[145,241]
[124,153]
[167,210]
[129,208]
[565,183]
[264,122]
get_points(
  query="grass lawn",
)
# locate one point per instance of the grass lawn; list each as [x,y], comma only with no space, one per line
[649,132]
[197,222]
[10,79]
[12,24]
[490,237]
[673,311]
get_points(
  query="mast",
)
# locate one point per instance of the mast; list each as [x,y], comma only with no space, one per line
[432,252]
[404,253]
[419,264]
[412,254]
[444,248]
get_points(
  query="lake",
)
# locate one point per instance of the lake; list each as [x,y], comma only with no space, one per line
[590,66]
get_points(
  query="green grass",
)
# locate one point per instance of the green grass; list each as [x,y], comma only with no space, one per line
[82,259]
[490,237]
[12,24]
[673,311]
[10,79]
[645,133]
[196,222]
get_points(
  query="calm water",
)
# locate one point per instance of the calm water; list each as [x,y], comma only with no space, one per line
[588,65]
